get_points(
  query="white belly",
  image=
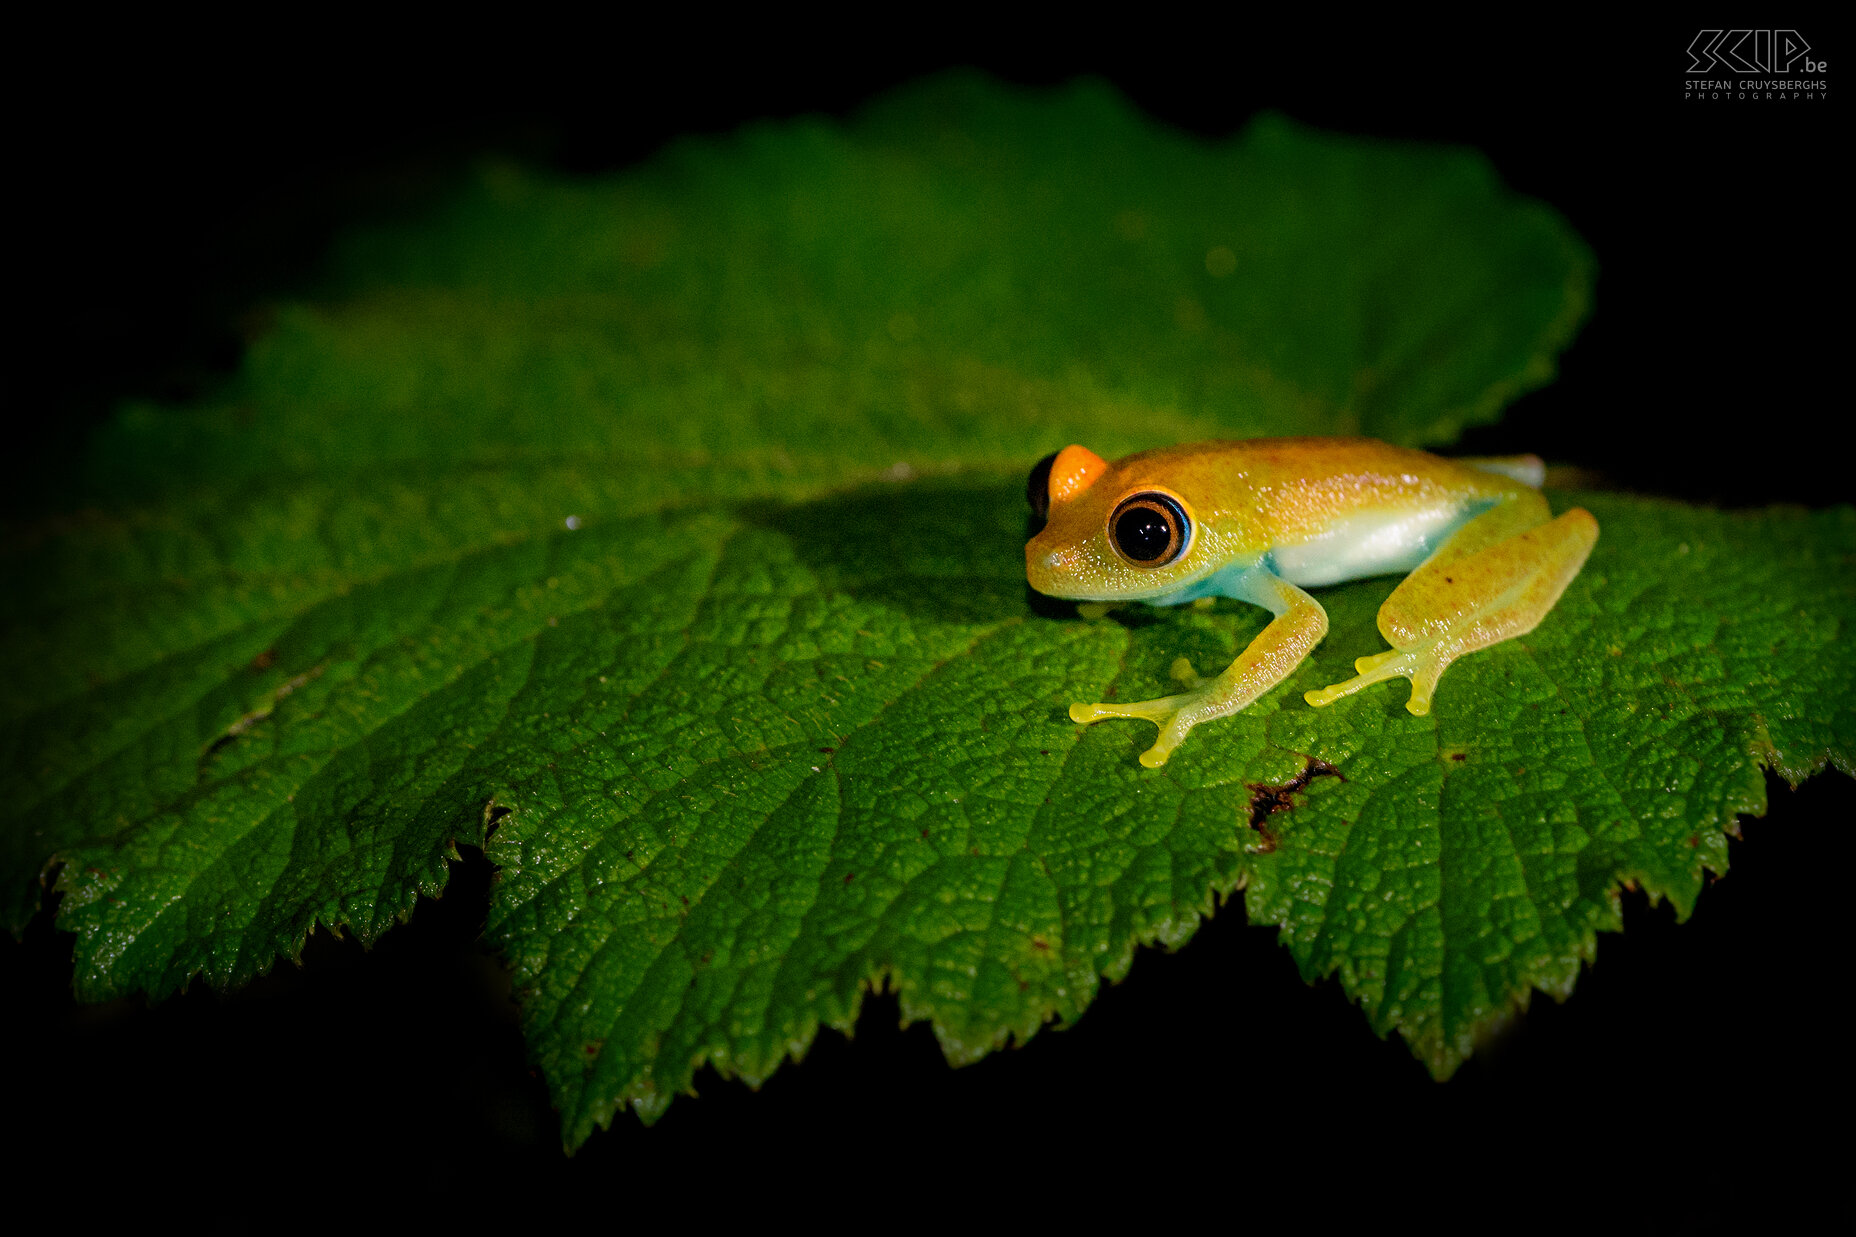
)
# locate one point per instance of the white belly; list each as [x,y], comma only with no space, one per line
[1374,543]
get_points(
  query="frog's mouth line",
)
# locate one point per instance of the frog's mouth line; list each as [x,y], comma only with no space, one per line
[1199,585]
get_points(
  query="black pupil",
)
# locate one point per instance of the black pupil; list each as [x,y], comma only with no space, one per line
[1143,534]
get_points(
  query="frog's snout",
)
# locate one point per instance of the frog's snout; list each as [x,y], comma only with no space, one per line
[1039,563]
[1045,566]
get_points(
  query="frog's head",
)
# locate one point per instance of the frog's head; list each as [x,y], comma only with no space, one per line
[1112,533]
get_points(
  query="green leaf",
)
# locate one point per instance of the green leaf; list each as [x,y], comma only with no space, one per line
[663,536]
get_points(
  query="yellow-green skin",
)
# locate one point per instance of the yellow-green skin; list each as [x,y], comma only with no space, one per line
[1270,516]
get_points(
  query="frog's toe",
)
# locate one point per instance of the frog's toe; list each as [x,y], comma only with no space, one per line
[1156,755]
[1424,675]
[1183,672]
[1145,710]
[1322,697]
[1173,731]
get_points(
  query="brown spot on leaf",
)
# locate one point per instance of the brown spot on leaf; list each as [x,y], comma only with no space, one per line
[828,750]
[1040,944]
[849,877]
[264,660]
[1266,800]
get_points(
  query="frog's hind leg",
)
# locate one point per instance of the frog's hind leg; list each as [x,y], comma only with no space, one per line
[1496,578]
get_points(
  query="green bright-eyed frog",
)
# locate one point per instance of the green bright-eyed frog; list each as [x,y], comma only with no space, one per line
[1260,520]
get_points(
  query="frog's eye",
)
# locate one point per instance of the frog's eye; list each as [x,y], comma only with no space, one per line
[1037,487]
[1150,530]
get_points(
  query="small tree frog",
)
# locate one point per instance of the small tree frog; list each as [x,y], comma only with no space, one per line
[1260,520]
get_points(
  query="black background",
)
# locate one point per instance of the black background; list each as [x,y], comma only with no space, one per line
[1699,1072]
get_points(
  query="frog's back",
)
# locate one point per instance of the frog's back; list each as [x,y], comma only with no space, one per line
[1300,487]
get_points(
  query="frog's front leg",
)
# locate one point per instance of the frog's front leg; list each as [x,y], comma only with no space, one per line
[1496,578]
[1299,625]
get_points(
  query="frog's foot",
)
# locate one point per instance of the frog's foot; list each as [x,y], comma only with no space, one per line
[1175,715]
[1423,665]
